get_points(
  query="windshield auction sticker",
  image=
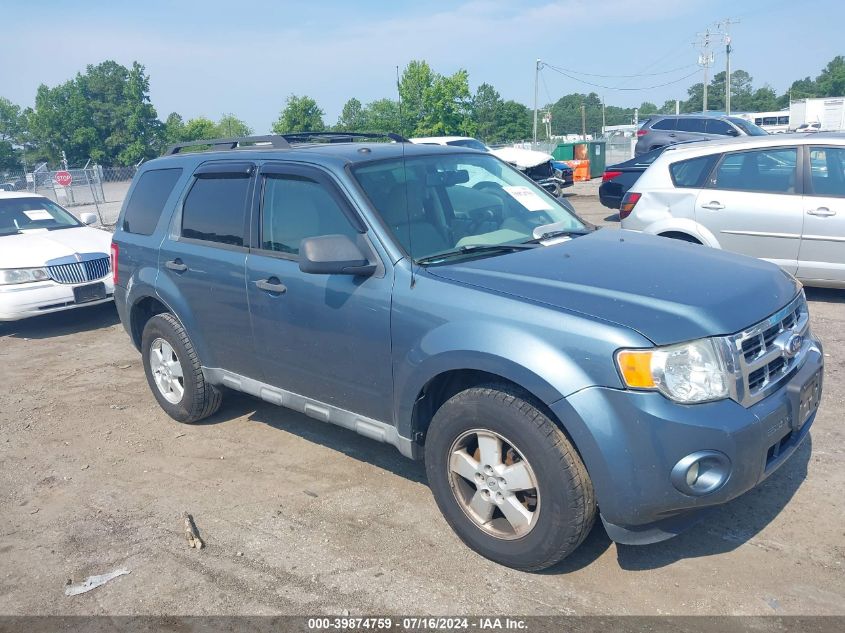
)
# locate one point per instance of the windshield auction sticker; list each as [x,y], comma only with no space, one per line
[527,198]
[38,214]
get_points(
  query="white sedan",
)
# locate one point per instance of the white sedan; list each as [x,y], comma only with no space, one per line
[49,260]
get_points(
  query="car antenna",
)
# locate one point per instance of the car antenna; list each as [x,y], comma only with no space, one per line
[405,177]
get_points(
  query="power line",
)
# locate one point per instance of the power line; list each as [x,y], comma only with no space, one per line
[578,72]
[595,85]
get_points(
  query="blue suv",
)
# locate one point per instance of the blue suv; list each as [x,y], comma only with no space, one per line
[436,299]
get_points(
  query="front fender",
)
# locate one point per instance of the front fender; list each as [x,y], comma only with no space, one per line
[513,353]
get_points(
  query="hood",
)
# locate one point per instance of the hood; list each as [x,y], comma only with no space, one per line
[522,158]
[668,291]
[30,250]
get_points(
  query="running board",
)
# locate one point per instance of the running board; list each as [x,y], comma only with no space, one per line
[368,427]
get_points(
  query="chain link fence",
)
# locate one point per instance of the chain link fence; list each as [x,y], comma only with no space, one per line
[95,189]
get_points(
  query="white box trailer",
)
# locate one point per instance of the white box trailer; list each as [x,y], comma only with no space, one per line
[823,114]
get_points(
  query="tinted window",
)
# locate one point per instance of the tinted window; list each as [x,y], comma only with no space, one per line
[148,198]
[827,171]
[215,209]
[769,171]
[748,127]
[783,120]
[664,124]
[717,126]
[295,208]
[692,172]
[691,125]
[471,143]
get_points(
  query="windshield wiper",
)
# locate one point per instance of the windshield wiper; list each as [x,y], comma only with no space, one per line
[548,235]
[474,249]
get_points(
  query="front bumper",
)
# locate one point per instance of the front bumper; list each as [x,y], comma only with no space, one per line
[630,441]
[20,301]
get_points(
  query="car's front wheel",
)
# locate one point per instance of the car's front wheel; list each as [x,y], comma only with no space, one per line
[174,372]
[507,479]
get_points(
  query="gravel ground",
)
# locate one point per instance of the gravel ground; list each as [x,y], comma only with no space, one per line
[305,518]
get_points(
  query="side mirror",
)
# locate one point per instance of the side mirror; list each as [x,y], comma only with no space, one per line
[87,218]
[733,132]
[333,255]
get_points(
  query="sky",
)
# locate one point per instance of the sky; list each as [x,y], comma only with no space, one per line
[213,57]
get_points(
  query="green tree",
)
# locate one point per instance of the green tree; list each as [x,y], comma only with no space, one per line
[230,126]
[199,129]
[433,104]
[831,81]
[11,122]
[515,123]
[382,115]
[174,128]
[301,114]
[104,114]
[487,113]
[353,117]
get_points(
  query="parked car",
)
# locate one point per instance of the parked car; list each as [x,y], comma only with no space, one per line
[436,299]
[809,127]
[536,165]
[619,178]
[780,198]
[661,130]
[49,260]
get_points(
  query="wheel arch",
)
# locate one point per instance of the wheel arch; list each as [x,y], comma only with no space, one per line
[684,226]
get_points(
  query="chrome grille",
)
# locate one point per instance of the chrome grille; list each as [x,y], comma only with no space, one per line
[80,272]
[763,359]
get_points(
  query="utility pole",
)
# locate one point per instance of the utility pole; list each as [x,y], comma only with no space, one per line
[537,65]
[725,27]
[677,106]
[583,122]
[603,116]
[705,59]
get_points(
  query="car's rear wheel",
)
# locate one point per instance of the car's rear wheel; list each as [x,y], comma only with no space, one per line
[507,479]
[174,372]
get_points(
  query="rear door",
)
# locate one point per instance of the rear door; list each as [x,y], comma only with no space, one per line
[690,129]
[326,337]
[752,204]
[822,254]
[202,262]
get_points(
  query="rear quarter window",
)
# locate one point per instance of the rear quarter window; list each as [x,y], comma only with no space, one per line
[147,201]
[692,172]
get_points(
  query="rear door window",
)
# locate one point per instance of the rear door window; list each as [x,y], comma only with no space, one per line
[147,202]
[665,124]
[827,171]
[717,126]
[766,171]
[691,124]
[692,172]
[215,208]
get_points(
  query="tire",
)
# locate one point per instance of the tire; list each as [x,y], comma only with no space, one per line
[196,399]
[564,504]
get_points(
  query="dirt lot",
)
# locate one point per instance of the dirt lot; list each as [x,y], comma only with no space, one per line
[305,518]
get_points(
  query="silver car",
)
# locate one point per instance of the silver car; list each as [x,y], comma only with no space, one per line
[780,198]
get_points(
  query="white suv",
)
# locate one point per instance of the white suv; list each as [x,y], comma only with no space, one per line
[780,198]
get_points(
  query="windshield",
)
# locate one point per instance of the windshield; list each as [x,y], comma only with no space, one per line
[748,127]
[469,143]
[454,202]
[19,215]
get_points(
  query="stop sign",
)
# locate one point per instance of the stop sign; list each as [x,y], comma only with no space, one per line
[63,178]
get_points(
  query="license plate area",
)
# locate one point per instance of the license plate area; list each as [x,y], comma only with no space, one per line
[89,292]
[808,399]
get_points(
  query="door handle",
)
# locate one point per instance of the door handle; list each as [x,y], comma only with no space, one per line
[673,135]
[822,212]
[271,285]
[177,265]
[713,206]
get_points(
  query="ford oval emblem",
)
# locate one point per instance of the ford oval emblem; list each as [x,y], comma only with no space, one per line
[793,345]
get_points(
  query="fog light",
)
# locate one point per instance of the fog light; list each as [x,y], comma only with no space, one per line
[701,473]
[692,474]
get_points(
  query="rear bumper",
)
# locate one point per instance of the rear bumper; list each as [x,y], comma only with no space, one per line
[20,301]
[630,442]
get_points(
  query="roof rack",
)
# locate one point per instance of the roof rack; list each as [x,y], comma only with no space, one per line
[281,141]
[274,140]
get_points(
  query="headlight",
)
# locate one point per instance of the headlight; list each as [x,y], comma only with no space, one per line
[688,372]
[22,275]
